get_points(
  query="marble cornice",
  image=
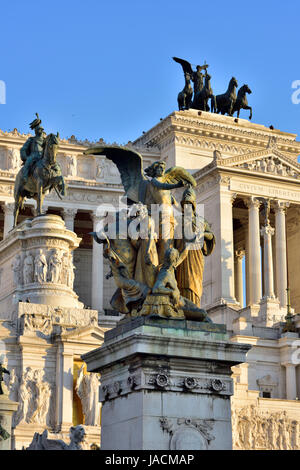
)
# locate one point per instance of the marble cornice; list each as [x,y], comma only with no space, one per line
[219,127]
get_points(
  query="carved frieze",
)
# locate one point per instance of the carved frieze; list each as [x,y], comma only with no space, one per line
[254,429]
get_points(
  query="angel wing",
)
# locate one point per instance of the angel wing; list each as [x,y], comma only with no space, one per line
[130,166]
[175,174]
[186,66]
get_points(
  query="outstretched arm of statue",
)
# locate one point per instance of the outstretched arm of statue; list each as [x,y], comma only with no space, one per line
[167,186]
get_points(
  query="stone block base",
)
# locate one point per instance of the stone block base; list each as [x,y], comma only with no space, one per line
[166,384]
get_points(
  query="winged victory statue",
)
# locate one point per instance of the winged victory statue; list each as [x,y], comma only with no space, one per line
[144,262]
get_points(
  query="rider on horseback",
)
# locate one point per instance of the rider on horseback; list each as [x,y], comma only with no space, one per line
[33,148]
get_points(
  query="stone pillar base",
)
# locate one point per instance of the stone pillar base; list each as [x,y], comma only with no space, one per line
[7,408]
[166,384]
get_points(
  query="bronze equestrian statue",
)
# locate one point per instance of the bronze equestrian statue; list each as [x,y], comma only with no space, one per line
[241,101]
[40,172]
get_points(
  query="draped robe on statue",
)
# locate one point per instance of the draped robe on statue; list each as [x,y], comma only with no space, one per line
[189,274]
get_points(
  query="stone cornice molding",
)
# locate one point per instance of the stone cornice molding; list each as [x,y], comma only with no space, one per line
[218,127]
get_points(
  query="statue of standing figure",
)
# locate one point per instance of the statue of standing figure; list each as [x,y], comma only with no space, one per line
[3,370]
[55,264]
[16,267]
[40,267]
[87,388]
[28,269]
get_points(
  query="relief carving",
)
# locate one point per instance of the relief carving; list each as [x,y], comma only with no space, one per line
[40,267]
[188,433]
[28,269]
[253,429]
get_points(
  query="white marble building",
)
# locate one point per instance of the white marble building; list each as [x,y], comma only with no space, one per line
[240,168]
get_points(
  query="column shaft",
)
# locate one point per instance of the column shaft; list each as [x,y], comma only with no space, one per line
[97,271]
[291,384]
[8,209]
[267,233]
[281,263]
[254,251]
[238,277]
[69,216]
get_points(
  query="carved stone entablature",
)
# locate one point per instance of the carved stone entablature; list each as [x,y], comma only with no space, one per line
[188,433]
[221,129]
[163,380]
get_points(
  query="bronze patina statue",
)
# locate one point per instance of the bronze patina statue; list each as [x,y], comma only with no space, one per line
[144,262]
[2,371]
[201,97]
[185,96]
[40,172]
[241,101]
[225,102]
[196,77]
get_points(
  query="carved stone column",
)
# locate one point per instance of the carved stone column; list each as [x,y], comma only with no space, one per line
[69,216]
[64,387]
[254,251]
[8,209]
[267,233]
[238,276]
[281,264]
[247,262]
[97,270]
[291,384]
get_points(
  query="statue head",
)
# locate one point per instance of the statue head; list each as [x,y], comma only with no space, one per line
[77,434]
[189,197]
[156,169]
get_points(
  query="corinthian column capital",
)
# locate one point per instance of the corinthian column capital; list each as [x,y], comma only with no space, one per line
[252,202]
[281,206]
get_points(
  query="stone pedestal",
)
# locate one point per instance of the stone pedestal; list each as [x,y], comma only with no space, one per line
[36,257]
[7,408]
[166,384]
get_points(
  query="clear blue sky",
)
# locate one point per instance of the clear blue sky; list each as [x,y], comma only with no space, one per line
[96,69]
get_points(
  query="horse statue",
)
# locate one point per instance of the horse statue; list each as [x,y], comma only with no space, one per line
[225,102]
[202,97]
[241,101]
[184,98]
[45,176]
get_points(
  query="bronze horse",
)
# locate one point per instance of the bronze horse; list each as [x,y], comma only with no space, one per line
[45,176]
[202,97]
[184,98]
[226,101]
[241,101]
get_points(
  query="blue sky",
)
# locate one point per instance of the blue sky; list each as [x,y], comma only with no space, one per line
[103,69]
